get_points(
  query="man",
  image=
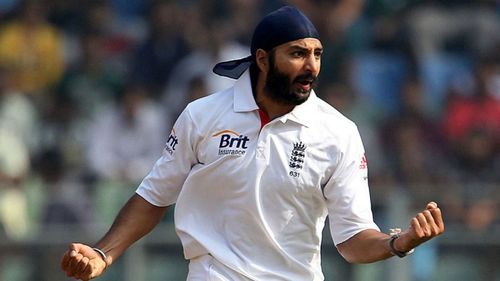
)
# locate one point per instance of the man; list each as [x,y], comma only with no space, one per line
[254,171]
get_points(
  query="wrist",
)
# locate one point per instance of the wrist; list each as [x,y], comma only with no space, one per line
[103,255]
[395,245]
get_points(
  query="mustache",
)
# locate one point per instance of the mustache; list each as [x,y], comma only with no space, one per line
[307,77]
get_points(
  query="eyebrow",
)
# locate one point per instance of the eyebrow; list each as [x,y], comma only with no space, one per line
[298,47]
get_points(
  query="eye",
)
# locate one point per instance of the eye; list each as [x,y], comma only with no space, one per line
[298,54]
[318,54]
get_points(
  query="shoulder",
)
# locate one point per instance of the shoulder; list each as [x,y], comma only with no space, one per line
[210,106]
[329,119]
[219,98]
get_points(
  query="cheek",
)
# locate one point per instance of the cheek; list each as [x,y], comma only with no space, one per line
[287,66]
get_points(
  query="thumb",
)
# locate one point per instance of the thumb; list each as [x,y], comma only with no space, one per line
[75,248]
[70,256]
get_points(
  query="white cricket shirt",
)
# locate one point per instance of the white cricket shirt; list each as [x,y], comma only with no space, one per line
[254,198]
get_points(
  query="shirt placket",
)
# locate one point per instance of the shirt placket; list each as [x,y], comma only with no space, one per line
[262,148]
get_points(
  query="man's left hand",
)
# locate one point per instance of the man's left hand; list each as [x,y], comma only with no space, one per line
[424,226]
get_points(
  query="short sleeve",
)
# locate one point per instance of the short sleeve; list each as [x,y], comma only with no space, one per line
[347,192]
[162,185]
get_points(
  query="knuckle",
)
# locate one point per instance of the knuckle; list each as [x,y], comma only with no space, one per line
[436,210]
[436,215]
[78,258]
[435,231]
[429,233]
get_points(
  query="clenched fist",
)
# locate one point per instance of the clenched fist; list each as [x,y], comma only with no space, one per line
[82,262]
[424,226]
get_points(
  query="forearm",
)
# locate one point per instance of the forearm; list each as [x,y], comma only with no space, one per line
[365,247]
[371,245]
[136,219]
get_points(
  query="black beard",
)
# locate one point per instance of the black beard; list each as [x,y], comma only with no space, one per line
[278,86]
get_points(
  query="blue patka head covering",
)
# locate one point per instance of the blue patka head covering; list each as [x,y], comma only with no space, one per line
[281,26]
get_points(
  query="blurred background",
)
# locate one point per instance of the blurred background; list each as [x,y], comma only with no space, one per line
[89,91]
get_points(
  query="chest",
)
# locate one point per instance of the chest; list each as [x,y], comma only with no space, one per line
[286,158]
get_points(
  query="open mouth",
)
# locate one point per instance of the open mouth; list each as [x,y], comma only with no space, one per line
[305,85]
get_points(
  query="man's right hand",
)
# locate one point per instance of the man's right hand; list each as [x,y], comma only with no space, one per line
[82,262]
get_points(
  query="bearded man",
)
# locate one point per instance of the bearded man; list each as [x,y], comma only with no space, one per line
[255,170]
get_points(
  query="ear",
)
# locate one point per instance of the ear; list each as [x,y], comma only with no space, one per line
[262,60]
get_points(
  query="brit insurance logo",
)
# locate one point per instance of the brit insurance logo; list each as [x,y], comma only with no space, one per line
[231,143]
[172,142]
[297,159]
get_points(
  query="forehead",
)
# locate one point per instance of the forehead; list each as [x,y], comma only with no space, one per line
[305,43]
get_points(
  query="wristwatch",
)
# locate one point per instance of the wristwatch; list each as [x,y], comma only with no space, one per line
[393,249]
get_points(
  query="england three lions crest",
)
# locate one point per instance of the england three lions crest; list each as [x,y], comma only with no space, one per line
[297,158]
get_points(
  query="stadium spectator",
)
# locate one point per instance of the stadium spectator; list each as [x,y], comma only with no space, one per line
[213,45]
[17,112]
[472,130]
[14,167]
[32,49]
[123,142]
[154,58]
[117,41]
[467,26]
[126,139]
[17,143]
[59,209]
[91,81]
[446,39]
[471,125]
[412,141]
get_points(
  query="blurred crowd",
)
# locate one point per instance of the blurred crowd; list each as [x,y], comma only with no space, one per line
[89,91]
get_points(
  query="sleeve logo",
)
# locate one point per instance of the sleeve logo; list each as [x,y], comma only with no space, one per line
[172,142]
[364,163]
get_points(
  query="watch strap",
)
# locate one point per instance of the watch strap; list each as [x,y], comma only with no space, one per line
[394,250]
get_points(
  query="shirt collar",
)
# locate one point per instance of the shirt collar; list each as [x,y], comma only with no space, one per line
[244,101]
[243,96]
[304,113]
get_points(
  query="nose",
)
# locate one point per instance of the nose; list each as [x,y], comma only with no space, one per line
[312,64]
